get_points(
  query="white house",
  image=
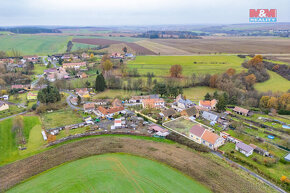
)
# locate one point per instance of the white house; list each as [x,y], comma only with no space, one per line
[244,149]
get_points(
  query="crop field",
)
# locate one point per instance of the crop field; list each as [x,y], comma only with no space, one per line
[94,41]
[160,65]
[78,46]
[213,44]
[34,44]
[275,83]
[60,118]
[181,125]
[111,173]
[161,49]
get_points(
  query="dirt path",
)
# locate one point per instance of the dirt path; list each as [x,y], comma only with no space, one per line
[212,174]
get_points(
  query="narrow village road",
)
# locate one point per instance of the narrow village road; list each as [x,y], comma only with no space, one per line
[68,100]
[250,172]
[13,115]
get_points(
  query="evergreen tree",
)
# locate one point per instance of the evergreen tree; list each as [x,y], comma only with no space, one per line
[226,97]
[79,100]
[207,96]
[221,105]
[215,95]
[100,83]
[49,94]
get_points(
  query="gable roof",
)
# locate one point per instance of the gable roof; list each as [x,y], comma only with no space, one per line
[190,111]
[168,112]
[112,110]
[210,116]
[117,103]
[210,137]
[89,106]
[158,129]
[240,109]
[152,102]
[244,147]
[208,103]
[197,130]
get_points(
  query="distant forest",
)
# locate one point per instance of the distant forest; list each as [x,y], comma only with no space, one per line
[170,35]
[29,30]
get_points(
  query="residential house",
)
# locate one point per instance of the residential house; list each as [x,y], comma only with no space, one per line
[201,109]
[212,140]
[117,56]
[168,113]
[89,107]
[153,103]
[20,86]
[82,75]
[190,112]
[259,150]
[210,116]
[74,65]
[109,113]
[85,55]
[74,100]
[117,103]
[181,103]
[196,132]
[3,106]
[102,102]
[241,111]
[138,99]
[159,130]
[83,93]
[31,96]
[209,104]
[244,149]
[33,58]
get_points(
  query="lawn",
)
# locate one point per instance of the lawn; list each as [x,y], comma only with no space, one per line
[211,64]
[111,173]
[274,84]
[13,109]
[60,118]
[118,93]
[180,125]
[197,93]
[32,133]
[34,44]
[39,68]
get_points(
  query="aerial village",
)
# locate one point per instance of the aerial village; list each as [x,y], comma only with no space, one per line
[145,114]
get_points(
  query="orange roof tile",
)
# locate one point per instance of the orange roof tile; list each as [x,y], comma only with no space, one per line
[210,137]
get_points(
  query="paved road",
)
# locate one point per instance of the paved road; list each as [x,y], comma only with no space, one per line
[13,115]
[68,100]
[250,172]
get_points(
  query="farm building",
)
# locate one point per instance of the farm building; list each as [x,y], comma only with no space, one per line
[208,104]
[153,103]
[244,149]
[168,113]
[259,150]
[196,132]
[3,106]
[110,112]
[102,101]
[190,112]
[159,130]
[241,111]
[212,140]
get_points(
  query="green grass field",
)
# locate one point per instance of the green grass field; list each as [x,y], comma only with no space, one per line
[111,173]
[60,118]
[180,125]
[275,83]
[32,133]
[198,93]
[78,46]
[34,44]
[160,65]
[118,93]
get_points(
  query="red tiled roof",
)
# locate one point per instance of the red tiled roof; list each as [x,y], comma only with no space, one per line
[210,137]
[240,109]
[89,106]
[74,64]
[197,130]
[110,110]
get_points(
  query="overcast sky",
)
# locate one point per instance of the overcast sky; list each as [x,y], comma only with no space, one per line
[134,12]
